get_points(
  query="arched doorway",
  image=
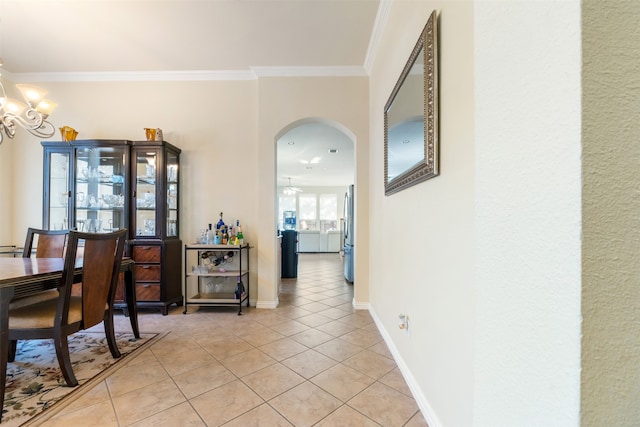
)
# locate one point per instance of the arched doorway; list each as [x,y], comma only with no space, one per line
[315,166]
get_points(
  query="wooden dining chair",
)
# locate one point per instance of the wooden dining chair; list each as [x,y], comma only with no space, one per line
[48,244]
[58,318]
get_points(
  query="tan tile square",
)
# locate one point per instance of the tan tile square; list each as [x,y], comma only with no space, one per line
[184,361]
[309,363]
[357,319]
[336,328]
[263,337]
[227,348]
[97,394]
[100,414]
[362,338]
[311,337]
[289,327]
[370,363]
[313,320]
[333,313]
[194,383]
[262,416]
[293,312]
[305,404]
[182,415]
[346,416]
[342,382]
[384,405]
[394,379]
[272,380]
[146,356]
[338,349]
[417,421]
[283,349]
[142,403]
[382,349]
[247,362]
[225,403]
[133,377]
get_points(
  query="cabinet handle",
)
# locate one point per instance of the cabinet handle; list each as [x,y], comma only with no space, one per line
[146,286]
[146,248]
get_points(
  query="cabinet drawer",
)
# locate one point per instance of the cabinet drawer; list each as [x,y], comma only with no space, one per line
[147,273]
[146,253]
[147,292]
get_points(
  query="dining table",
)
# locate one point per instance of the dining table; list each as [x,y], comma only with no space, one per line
[25,276]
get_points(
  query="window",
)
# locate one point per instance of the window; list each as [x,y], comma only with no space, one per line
[328,212]
[307,211]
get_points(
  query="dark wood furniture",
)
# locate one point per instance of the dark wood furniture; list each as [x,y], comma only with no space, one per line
[105,185]
[49,243]
[101,255]
[20,277]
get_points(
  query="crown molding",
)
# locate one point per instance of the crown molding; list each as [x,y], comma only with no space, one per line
[346,71]
[133,76]
[154,76]
[382,16]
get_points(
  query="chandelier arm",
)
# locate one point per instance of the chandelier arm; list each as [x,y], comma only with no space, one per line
[33,122]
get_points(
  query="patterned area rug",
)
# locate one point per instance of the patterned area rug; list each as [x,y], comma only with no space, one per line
[35,383]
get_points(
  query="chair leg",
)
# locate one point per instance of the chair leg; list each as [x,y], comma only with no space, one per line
[110,334]
[64,359]
[13,347]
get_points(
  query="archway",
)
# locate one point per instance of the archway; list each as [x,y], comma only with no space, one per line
[315,165]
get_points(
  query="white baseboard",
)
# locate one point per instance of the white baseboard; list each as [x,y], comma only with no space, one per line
[427,411]
[265,304]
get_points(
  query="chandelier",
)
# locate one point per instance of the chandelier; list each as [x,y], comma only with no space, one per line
[30,116]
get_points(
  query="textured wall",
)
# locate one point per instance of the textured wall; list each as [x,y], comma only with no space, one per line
[611,207]
[527,97]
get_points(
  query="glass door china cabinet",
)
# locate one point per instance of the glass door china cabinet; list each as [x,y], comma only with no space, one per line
[86,185]
[156,248]
[100,186]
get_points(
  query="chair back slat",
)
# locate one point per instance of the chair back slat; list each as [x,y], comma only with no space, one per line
[49,243]
[98,259]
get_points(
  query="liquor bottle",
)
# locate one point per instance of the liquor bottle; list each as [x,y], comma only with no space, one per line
[240,236]
[220,223]
[225,236]
[209,239]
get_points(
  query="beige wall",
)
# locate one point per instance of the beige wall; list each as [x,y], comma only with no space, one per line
[227,131]
[422,238]
[283,102]
[611,203]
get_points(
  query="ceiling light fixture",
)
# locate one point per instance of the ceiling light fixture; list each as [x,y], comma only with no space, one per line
[290,191]
[31,116]
[312,161]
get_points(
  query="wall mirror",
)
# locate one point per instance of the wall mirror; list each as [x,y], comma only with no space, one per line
[411,117]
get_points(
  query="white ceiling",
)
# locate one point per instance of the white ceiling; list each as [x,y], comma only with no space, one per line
[74,40]
[304,156]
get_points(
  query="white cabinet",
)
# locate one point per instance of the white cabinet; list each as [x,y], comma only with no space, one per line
[333,241]
[308,241]
[314,241]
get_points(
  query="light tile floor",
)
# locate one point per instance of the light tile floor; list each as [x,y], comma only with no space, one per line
[313,361]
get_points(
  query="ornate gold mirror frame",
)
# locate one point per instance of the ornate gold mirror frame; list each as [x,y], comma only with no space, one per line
[411,143]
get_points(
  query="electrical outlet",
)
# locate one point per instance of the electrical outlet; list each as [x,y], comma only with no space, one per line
[404,321]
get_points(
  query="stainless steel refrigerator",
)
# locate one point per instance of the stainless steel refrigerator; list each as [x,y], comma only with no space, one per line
[348,234]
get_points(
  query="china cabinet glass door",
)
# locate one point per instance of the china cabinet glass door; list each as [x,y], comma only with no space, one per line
[172,195]
[100,189]
[57,205]
[145,193]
